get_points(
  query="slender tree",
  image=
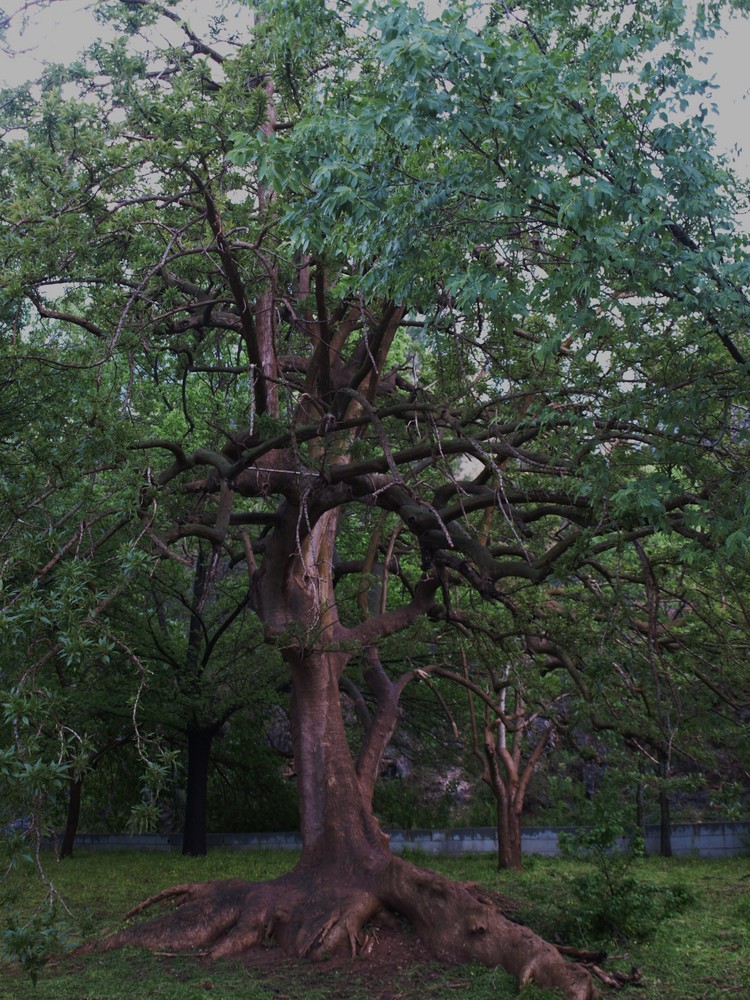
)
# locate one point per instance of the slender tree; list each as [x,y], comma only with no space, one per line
[194,630]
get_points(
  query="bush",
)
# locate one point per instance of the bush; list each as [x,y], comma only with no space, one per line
[29,942]
[611,904]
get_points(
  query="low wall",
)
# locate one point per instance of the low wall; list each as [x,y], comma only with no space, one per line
[706,840]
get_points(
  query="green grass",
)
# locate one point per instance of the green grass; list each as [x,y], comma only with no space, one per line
[703,953]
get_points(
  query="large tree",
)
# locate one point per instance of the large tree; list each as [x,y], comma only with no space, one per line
[480,285]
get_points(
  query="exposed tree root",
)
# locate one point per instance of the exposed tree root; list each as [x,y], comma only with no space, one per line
[324,913]
[617,980]
[591,959]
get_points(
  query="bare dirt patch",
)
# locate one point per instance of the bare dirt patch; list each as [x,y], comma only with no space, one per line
[397,967]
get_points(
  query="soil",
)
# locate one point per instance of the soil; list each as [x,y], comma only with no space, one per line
[399,967]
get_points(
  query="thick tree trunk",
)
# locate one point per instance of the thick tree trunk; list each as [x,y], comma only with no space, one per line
[75,788]
[336,818]
[196,800]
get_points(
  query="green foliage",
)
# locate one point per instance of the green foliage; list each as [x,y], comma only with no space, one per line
[30,941]
[610,902]
[247,789]
[614,906]
[403,805]
[33,764]
[34,767]
[481,810]
[560,794]
[730,801]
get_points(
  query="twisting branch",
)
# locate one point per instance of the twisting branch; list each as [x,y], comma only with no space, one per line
[238,289]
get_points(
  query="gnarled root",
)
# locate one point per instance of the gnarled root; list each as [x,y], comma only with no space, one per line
[459,926]
[332,926]
[323,913]
[224,919]
[215,919]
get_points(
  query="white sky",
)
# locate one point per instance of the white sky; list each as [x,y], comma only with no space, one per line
[60,31]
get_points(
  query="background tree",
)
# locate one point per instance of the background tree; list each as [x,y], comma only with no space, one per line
[640,643]
[512,722]
[193,631]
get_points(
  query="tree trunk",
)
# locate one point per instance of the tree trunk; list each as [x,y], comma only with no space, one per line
[506,790]
[199,754]
[514,855]
[640,810]
[665,818]
[336,819]
[75,787]
[509,856]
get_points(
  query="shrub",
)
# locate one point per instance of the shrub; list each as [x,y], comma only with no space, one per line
[610,902]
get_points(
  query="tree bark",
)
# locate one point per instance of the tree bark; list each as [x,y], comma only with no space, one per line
[509,855]
[196,800]
[336,819]
[505,790]
[640,810]
[665,819]
[75,788]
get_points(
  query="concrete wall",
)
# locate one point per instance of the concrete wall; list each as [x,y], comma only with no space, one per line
[707,840]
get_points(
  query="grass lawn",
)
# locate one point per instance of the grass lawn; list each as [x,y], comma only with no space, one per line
[702,953]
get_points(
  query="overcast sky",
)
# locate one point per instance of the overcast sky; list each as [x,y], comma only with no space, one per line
[59,32]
